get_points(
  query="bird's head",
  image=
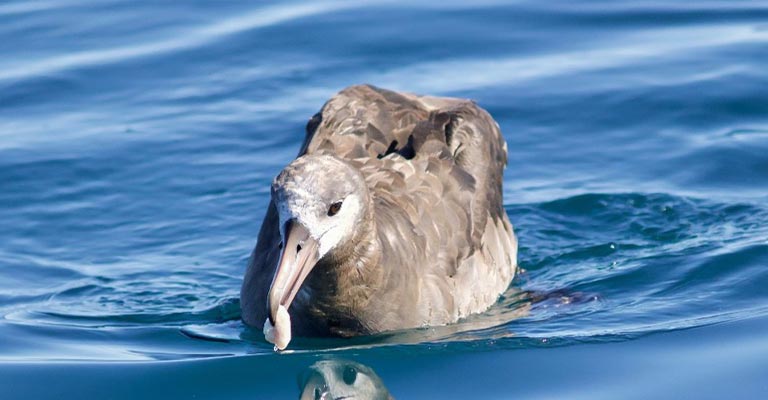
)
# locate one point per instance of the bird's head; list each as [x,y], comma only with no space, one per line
[321,203]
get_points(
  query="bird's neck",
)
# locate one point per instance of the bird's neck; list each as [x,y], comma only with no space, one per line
[357,264]
[343,283]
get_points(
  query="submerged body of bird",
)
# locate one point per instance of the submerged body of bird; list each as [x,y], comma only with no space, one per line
[390,218]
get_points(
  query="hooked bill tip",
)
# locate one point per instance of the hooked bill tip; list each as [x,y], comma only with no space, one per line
[279,332]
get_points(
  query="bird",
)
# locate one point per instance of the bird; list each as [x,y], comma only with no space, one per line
[341,379]
[390,218]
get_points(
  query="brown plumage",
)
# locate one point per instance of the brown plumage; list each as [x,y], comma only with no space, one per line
[421,237]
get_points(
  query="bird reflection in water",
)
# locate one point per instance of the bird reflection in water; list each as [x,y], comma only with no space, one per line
[336,379]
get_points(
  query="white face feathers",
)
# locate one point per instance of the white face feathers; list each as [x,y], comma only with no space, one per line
[323,194]
[329,230]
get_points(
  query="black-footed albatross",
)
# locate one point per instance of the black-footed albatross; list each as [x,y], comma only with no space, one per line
[390,218]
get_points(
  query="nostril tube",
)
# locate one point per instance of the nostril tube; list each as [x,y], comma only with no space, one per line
[298,247]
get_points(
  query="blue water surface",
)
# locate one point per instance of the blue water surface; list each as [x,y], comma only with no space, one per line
[138,140]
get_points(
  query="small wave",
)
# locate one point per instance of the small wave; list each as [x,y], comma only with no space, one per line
[263,17]
[31,6]
[655,260]
[450,76]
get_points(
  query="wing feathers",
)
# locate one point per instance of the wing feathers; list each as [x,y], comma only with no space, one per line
[434,167]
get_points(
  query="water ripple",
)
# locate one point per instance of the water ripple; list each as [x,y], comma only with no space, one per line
[137,144]
[199,36]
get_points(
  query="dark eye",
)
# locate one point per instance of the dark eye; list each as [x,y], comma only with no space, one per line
[334,209]
[350,374]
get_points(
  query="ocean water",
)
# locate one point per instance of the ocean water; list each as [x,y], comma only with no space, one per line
[138,140]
